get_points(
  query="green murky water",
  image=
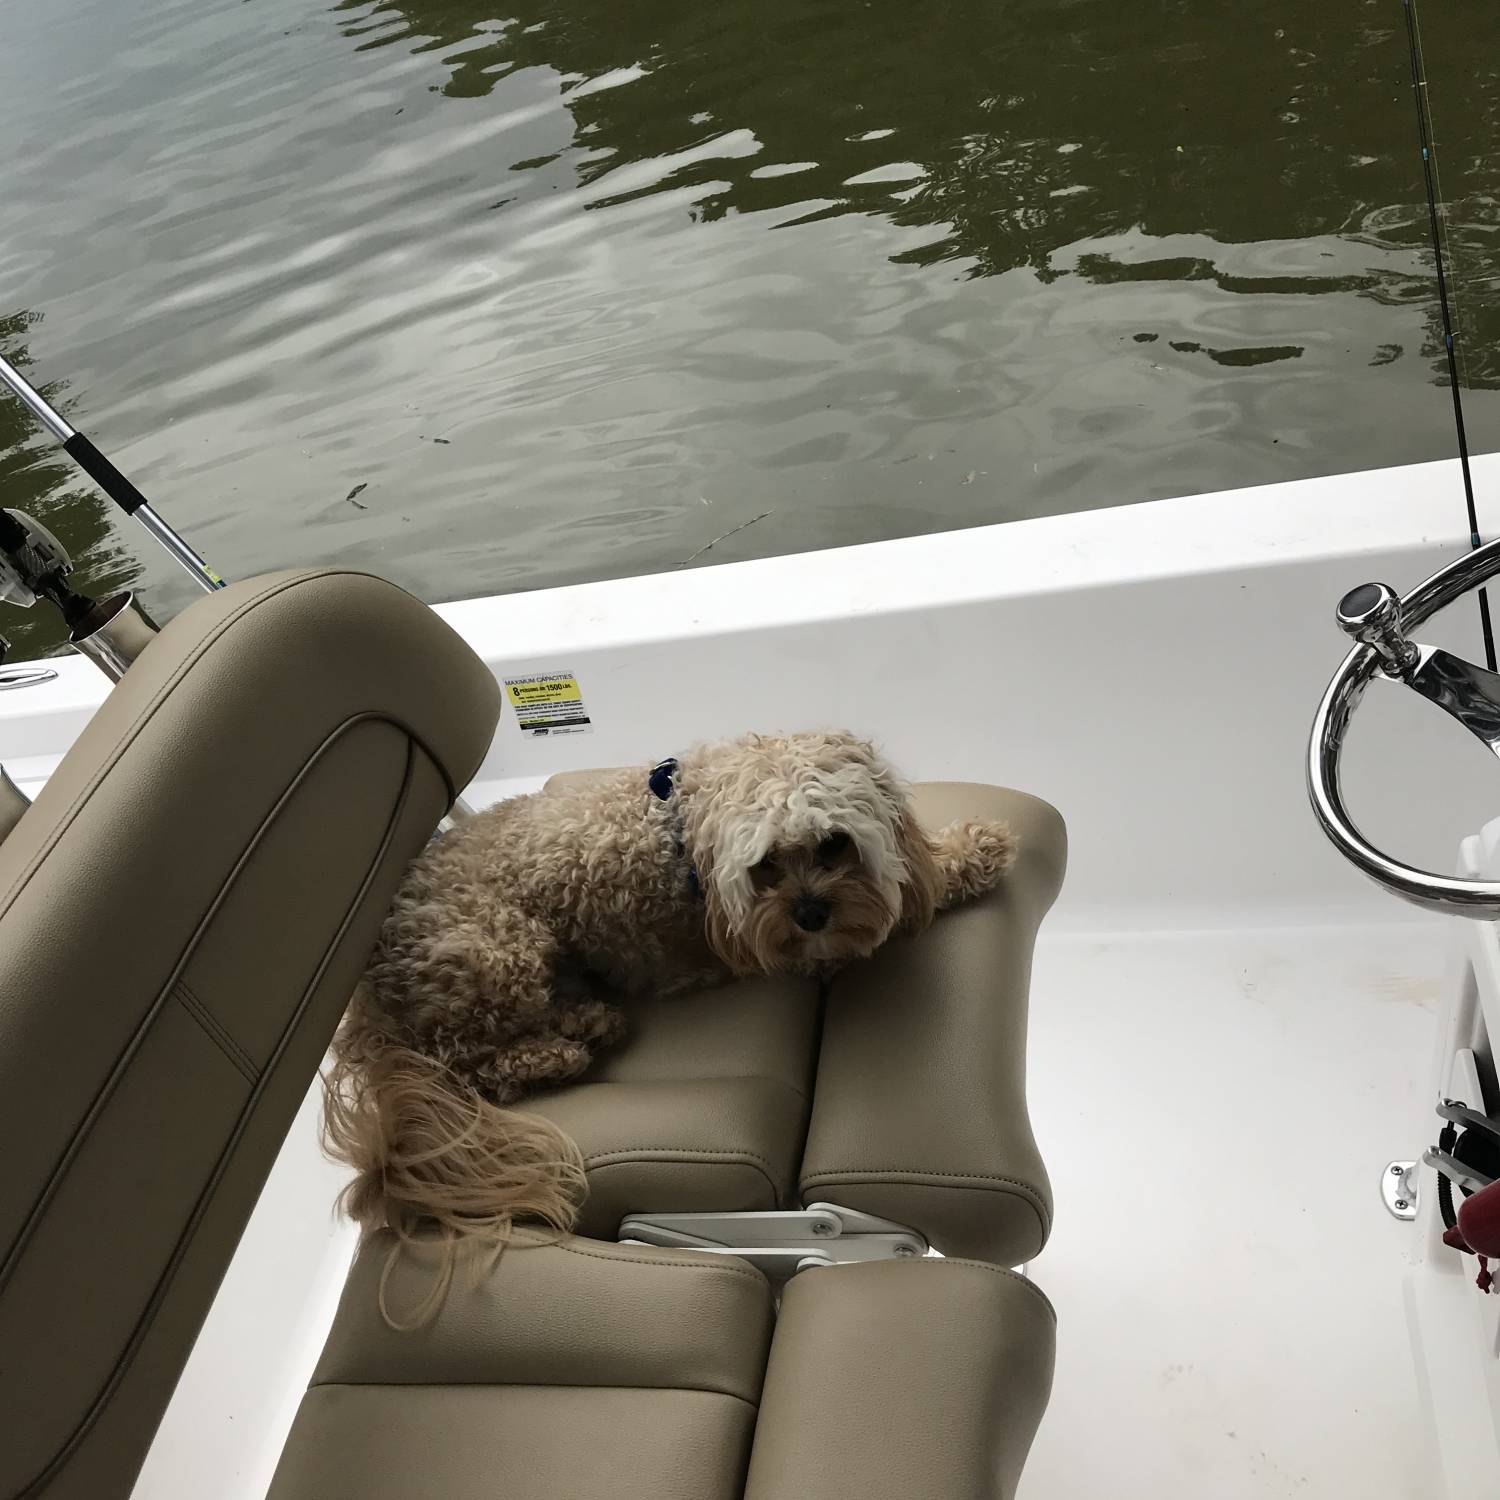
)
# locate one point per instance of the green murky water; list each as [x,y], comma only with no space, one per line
[574,287]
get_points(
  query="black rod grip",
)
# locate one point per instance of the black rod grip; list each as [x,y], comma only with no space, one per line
[104,474]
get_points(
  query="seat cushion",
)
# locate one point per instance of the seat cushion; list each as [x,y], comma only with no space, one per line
[894,1380]
[918,1109]
[402,1442]
[568,1369]
[919,1112]
[703,1107]
[578,1369]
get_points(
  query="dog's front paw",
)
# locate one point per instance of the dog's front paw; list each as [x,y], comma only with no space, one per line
[973,856]
[532,1062]
[595,1022]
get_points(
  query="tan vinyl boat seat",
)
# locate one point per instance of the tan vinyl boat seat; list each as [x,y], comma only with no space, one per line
[901,1093]
[582,1369]
[183,915]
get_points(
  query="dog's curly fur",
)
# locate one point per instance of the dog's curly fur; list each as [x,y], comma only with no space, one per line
[772,855]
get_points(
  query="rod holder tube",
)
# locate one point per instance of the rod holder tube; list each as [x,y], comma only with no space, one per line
[113,633]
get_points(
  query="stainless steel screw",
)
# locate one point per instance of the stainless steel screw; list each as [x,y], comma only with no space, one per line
[822,1227]
[1395,1170]
[905,1252]
[1401,1203]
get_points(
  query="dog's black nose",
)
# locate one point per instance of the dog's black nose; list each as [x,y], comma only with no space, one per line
[810,914]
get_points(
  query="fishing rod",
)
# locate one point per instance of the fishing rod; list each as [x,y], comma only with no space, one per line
[1434,224]
[35,566]
[107,476]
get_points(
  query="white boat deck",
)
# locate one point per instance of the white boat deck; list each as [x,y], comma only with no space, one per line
[1214,1109]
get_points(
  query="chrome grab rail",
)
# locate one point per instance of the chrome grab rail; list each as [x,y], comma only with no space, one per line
[14,678]
[1375,617]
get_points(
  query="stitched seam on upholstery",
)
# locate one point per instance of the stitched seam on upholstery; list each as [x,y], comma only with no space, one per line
[149,710]
[534,1385]
[148,1020]
[127,735]
[687,1152]
[230,1041]
[843,1173]
[195,1218]
[1009,1275]
[687,1158]
[213,1031]
[1008,1186]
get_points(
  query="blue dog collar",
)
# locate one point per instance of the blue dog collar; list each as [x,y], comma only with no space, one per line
[663,783]
[662,779]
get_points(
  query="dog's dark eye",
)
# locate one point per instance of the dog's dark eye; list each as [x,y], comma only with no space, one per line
[832,848]
[767,866]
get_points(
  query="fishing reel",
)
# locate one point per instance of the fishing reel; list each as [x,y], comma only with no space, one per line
[35,566]
[1378,619]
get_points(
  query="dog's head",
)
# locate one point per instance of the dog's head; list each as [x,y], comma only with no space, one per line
[806,849]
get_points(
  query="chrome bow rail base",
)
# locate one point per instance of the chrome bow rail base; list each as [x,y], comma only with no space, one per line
[1379,621]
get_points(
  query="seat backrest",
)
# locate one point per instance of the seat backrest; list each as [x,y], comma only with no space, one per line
[183,915]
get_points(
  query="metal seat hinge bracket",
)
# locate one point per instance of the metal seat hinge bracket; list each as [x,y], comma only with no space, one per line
[779,1243]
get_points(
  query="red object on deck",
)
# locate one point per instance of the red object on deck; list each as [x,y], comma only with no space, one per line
[1479,1221]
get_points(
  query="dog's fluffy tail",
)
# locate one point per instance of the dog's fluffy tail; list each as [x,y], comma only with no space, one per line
[429,1151]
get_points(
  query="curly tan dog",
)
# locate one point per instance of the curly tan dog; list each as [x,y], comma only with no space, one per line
[765,855]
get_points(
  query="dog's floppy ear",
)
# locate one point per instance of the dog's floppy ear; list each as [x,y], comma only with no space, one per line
[922,885]
[920,880]
[724,936]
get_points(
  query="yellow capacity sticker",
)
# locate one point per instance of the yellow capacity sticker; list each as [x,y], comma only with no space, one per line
[548,704]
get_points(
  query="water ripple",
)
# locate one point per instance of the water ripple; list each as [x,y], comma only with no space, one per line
[576,291]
